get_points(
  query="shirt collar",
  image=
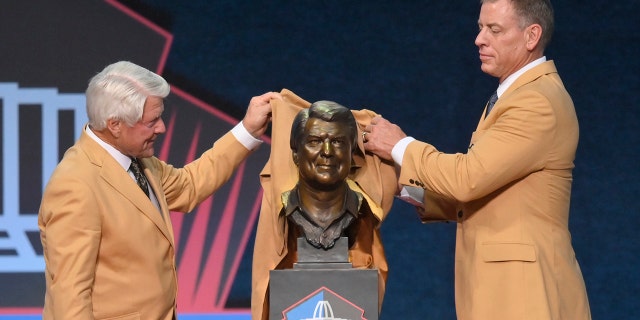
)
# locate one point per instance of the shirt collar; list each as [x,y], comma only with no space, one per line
[512,78]
[291,202]
[122,159]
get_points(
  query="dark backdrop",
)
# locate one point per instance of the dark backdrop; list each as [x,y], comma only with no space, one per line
[415,63]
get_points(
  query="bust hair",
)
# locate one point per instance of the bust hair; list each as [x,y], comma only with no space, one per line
[328,111]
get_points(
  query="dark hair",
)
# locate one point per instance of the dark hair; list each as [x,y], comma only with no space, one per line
[327,111]
[534,11]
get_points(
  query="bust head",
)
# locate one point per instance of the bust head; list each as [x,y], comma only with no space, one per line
[323,138]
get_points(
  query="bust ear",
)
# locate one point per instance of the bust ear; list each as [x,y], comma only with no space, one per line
[295,157]
[533,33]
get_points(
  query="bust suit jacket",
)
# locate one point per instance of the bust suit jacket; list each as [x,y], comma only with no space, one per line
[509,195]
[109,252]
[374,179]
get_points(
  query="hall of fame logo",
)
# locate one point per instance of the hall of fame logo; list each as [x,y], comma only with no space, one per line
[323,304]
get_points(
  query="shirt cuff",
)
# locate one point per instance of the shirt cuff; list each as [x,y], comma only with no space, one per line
[412,195]
[244,137]
[397,153]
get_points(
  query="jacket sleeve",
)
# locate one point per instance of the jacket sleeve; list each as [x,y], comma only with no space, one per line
[185,188]
[514,146]
[70,233]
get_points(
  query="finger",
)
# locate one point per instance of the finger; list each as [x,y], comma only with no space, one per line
[271,95]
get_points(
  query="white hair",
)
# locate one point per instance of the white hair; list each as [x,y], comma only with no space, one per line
[119,92]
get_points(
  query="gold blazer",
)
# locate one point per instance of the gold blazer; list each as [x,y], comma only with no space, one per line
[109,252]
[509,195]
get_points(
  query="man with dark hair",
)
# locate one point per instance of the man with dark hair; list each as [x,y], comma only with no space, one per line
[510,192]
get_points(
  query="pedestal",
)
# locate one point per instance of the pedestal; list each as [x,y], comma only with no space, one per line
[323,285]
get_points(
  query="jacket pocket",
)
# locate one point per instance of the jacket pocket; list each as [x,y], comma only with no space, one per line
[130,316]
[507,251]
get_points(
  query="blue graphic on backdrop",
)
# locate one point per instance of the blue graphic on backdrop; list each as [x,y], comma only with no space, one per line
[19,230]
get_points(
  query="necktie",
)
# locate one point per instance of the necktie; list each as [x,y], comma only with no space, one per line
[492,101]
[140,178]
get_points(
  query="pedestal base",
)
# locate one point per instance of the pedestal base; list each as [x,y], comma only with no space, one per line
[320,294]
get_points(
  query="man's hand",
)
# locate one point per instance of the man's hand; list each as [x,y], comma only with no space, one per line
[258,115]
[381,136]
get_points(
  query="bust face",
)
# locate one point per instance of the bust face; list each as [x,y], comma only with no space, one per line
[324,154]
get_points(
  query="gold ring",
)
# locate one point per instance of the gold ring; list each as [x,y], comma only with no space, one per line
[364,136]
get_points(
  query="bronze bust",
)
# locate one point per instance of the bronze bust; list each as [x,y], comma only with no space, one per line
[322,206]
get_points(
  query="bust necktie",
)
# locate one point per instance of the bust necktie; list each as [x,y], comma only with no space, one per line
[140,178]
[492,101]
